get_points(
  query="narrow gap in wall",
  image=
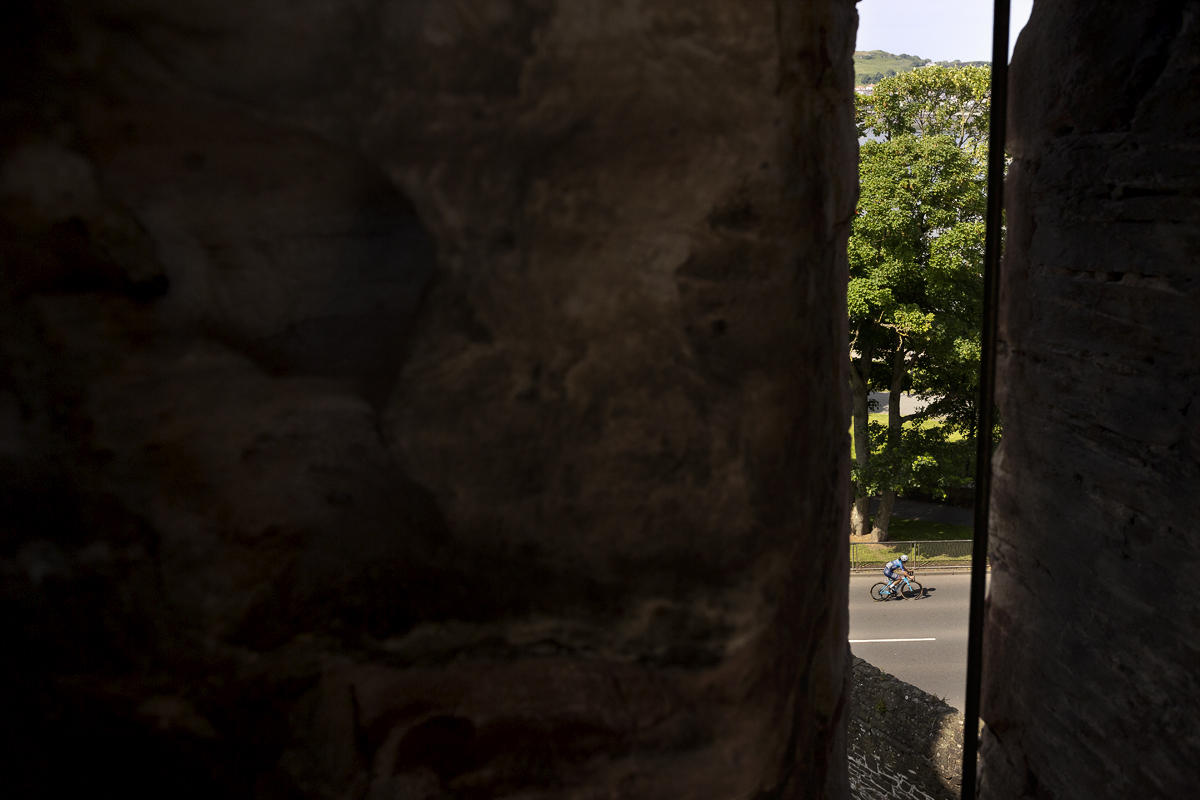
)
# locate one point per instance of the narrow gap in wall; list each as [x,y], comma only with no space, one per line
[923,75]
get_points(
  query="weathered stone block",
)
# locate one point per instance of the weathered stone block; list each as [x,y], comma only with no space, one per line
[423,399]
[1090,676]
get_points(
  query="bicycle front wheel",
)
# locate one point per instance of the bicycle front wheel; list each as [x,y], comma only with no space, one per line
[911,591]
[877,592]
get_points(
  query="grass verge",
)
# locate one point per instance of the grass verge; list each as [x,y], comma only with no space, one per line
[919,530]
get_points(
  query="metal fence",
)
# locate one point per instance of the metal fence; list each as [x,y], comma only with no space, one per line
[954,553]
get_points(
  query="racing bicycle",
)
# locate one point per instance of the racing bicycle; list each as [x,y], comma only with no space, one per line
[903,588]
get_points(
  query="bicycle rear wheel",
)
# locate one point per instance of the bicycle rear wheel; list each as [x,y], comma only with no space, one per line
[911,591]
[877,592]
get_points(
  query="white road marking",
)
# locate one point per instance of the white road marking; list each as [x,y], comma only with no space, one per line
[864,641]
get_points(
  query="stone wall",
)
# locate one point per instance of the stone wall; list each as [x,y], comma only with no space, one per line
[904,743]
[1090,684]
[424,398]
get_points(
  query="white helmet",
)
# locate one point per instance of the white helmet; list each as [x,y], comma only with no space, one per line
[904,558]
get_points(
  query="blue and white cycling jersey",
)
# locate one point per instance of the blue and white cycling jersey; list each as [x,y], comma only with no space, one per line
[890,567]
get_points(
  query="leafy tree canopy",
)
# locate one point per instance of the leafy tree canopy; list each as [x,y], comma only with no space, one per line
[923,457]
[916,277]
[916,244]
[932,101]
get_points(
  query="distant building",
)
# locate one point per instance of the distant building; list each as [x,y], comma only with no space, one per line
[867,90]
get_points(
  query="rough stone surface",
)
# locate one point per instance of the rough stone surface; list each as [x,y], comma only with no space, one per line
[424,399]
[904,743]
[1093,626]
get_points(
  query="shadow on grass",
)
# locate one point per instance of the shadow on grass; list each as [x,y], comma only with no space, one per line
[919,530]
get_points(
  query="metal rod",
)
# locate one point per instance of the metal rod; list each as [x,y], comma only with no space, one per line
[987,390]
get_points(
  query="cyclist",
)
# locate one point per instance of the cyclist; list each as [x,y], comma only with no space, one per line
[895,569]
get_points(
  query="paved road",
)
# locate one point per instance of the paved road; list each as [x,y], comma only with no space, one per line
[940,666]
[908,404]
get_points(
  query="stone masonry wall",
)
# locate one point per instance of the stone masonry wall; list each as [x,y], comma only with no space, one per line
[422,399]
[1093,625]
[905,744]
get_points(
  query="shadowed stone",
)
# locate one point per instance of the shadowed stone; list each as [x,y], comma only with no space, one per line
[425,399]
[1090,677]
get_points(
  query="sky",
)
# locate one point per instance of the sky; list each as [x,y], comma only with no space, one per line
[942,30]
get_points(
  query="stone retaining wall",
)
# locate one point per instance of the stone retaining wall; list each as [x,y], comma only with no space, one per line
[904,743]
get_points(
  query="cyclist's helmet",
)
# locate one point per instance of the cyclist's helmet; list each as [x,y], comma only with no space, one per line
[904,558]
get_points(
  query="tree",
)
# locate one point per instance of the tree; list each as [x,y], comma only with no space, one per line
[916,278]
[930,101]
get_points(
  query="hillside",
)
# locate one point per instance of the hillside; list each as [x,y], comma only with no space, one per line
[872,66]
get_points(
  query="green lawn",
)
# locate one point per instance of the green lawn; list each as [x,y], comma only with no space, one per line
[911,530]
[917,530]
[926,424]
[926,544]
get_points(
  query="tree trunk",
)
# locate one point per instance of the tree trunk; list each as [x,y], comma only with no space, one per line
[883,517]
[860,520]
[859,392]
